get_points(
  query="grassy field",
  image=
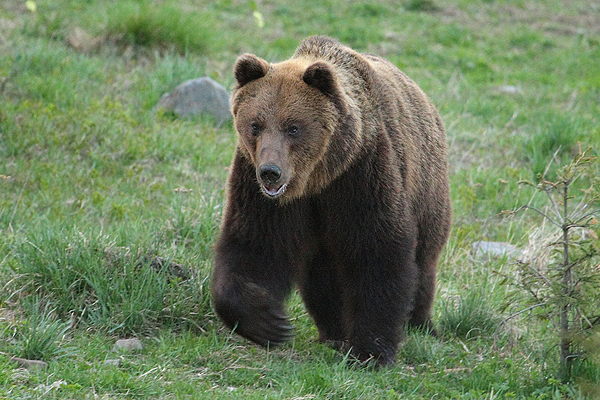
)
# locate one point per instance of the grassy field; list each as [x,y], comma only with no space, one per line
[94,184]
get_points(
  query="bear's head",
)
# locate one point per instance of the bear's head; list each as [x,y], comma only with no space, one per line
[286,116]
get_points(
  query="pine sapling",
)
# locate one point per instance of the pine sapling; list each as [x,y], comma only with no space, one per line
[562,277]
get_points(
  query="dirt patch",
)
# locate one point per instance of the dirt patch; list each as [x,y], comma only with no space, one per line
[7,26]
[82,41]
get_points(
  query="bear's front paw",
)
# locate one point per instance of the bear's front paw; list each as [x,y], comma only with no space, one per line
[266,327]
[253,313]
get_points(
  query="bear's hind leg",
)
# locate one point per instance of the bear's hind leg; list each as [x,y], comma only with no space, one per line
[377,314]
[380,283]
[429,249]
[322,296]
[423,301]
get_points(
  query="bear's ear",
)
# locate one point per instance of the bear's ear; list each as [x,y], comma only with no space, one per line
[248,68]
[320,76]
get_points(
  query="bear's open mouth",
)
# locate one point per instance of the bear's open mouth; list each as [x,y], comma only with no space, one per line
[274,191]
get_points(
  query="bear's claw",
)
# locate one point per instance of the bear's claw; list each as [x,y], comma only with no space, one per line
[269,328]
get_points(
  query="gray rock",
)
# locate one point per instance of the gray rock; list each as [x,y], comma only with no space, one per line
[128,344]
[30,364]
[509,89]
[197,97]
[116,362]
[498,249]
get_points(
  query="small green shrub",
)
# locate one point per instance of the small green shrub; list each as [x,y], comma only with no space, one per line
[468,316]
[89,277]
[559,136]
[588,371]
[419,349]
[151,24]
[420,5]
[130,22]
[560,277]
[40,335]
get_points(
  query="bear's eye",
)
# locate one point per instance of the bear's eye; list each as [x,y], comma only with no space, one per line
[293,130]
[255,128]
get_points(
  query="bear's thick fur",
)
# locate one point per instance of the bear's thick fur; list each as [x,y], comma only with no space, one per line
[339,185]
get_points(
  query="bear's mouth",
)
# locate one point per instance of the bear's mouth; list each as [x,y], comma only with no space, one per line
[273,191]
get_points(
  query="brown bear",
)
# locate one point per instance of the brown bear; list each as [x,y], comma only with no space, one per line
[339,185]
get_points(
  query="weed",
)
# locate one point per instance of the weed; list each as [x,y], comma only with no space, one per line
[99,284]
[558,136]
[41,335]
[468,316]
[150,24]
[420,5]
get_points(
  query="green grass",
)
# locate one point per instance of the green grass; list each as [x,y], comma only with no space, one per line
[89,172]
[40,335]
[98,282]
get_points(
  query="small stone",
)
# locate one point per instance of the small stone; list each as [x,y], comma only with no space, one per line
[128,344]
[509,89]
[498,249]
[80,40]
[116,362]
[30,364]
[7,24]
[197,97]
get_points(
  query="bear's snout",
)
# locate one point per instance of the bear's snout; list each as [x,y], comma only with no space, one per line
[270,176]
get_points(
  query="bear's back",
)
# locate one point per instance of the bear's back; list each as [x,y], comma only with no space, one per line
[389,103]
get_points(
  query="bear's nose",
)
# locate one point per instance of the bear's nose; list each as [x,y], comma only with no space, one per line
[270,174]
